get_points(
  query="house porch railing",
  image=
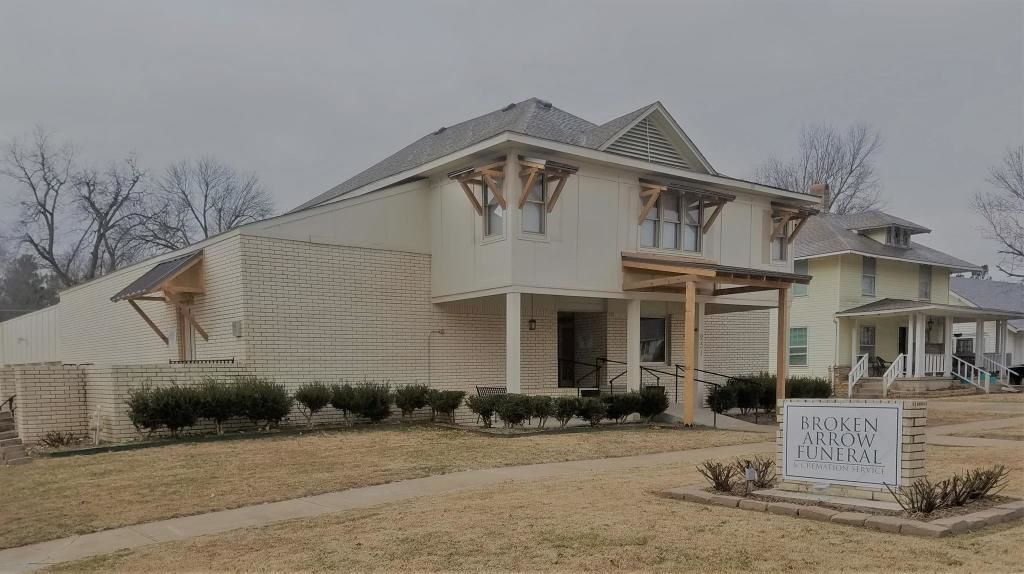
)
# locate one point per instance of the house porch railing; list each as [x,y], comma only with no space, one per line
[898,368]
[860,368]
[970,374]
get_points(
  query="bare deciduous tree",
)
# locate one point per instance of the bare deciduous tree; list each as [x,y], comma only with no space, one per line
[70,219]
[1003,211]
[195,200]
[842,160]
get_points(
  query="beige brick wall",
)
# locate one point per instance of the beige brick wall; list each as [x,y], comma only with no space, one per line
[95,330]
[736,344]
[49,398]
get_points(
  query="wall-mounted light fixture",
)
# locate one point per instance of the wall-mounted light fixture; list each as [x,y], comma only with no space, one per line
[533,322]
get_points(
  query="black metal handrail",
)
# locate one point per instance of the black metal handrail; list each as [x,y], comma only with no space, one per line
[643,369]
[9,403]
[595,370]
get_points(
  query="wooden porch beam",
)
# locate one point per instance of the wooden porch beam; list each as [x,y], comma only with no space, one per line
[666,268]
[660,282]
[148,321]
[752,282]
[149,298]
[738,290]
[782,344]
[690,350]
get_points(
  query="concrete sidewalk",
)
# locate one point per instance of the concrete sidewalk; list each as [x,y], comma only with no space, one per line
[40,555]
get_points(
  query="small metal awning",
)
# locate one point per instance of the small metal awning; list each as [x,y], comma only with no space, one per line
[160,276]
[960,313]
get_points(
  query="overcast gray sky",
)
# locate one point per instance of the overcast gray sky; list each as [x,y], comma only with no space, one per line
[308,93]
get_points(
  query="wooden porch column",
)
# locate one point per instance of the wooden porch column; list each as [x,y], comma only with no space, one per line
[633,345]
[513,309]
[947,347]
[908,364]
[979,342]
[920,329]
[782,344]
[689,350]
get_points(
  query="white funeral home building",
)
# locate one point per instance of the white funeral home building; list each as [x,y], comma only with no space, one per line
[878,315]
[526,248]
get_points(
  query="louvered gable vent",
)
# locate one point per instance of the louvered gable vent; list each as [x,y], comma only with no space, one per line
[644,141]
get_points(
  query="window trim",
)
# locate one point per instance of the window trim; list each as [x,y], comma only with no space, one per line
[801,289]
[484,195]
[666,326]
[542,203]
[682,223]
[897,236]
[805,347]
[782,237]
[864,275]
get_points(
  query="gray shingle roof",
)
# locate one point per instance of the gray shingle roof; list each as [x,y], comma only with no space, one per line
[826,233]
[874,219]
[532,117]
[987,293]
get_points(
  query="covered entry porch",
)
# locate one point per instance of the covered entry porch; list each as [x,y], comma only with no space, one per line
[897,340]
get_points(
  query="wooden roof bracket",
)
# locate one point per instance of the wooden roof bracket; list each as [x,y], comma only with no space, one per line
[799,226]
[552,172]
[149,321]
[187,314]
[714,215]
[489,175]
[652,193]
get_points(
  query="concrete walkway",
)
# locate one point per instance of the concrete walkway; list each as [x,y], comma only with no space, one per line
[942,435]
[40,555]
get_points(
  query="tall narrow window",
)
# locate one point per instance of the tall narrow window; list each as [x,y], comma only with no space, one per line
[649,229]
[924,282]
[780,241]
[694,220]
[867,276]
[494,215]
[798,347]
[653,335]
[534,208]
[670,221]
[867,341]
[800,266]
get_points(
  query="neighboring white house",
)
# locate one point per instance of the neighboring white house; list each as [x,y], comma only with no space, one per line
[988,293]
[879,304]
[526,248]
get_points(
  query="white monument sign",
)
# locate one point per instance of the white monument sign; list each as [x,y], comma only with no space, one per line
[847,443]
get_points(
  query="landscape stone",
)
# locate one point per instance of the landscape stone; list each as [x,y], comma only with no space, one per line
[850,518]
[749,504]
[783,508]
[885,523]
[927,529]
[817,513]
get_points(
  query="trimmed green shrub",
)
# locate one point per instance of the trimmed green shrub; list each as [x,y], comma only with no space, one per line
[140,409]
[312,397]
[620,407]
[721,399]
[484,406]
[444,402]
[263,401]
[514,409]
[748,394]
[808,388]
[372,400]
[218,401]
[342,398]
[542,408]
[592,410]
[175,407]
[565,409]
[653,402]
[409,398]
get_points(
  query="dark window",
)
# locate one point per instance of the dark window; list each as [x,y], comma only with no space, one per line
[653,333]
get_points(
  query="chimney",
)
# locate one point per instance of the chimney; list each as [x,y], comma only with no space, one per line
[822,191]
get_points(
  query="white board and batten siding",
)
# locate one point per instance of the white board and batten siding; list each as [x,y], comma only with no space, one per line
[31,338]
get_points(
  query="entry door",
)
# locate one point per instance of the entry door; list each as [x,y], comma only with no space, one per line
[902,341]
[566,349]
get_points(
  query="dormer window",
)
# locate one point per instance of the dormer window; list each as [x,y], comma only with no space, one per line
[898,236]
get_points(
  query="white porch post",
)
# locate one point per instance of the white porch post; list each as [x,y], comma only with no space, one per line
[908,363]
[1001,334]
[513,318]
[979,342]
[633,344]
[947,346]
[854,342]
[920,327]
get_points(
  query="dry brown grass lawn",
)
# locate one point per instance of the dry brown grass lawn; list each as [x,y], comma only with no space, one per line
[1008,433]
[586,523]
[989,398]
[53,498]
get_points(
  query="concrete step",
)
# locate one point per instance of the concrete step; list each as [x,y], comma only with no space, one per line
[8,434]
[12,452]
[6,426]
[10,442]
[6,416]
